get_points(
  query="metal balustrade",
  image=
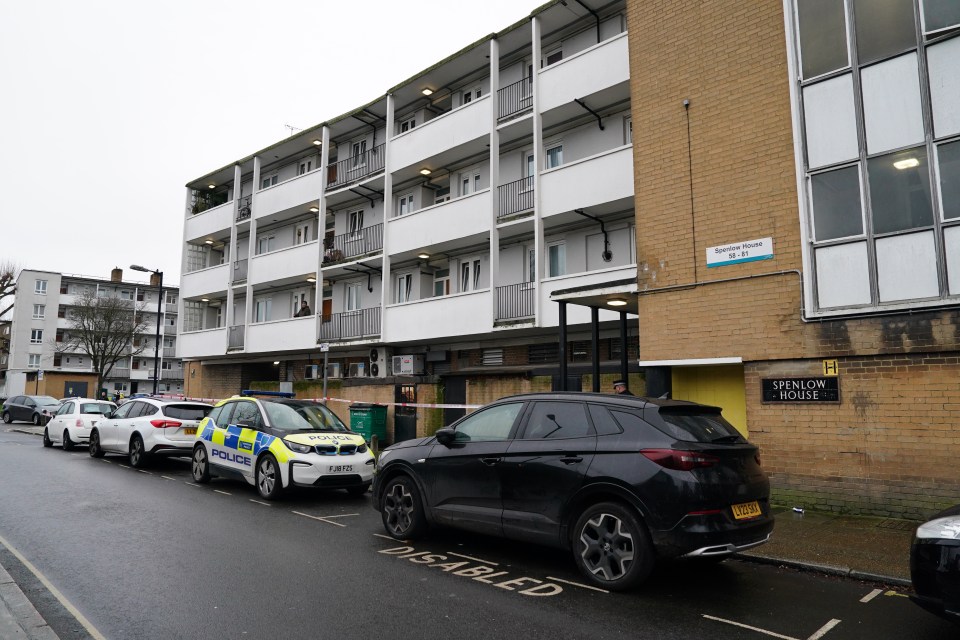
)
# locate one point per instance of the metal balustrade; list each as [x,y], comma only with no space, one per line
[239,271]
[355,243]
[515,98]
[515,197]
[355,168]
[515,301]
[244,208]
[351,325]
[235,337]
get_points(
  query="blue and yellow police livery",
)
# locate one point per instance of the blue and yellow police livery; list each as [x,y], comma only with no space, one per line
[274,443]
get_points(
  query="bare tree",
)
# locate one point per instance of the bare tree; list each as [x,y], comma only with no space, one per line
[103,328]
[8,285]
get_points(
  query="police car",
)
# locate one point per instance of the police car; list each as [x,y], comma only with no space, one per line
[278,442]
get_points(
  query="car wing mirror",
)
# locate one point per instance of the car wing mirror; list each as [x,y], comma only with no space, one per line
[446,436]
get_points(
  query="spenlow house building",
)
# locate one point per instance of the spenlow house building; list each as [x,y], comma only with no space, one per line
[44,304]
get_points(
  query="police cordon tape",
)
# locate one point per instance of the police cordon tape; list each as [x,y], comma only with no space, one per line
[390,404]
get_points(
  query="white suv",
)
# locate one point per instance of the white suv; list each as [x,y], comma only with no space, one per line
[148,427]
[73,420]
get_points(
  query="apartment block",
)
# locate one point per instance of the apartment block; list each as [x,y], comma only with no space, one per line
[419,239]
[797,173]
[45,304]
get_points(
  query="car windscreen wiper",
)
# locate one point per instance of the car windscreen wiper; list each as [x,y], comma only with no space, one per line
[735,438]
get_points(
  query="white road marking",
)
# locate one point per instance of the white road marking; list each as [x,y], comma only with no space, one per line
[167,478]
[192,484]
[823,630]
[266,504]
[96,635]
[78,454]
[325,518]
[380,535]
[460,555]
[746,626]
[870,596]
[577,584]
[223,492]
[105,460]
[125,466]
[146,472]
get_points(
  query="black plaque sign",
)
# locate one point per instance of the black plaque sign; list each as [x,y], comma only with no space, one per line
[801,389]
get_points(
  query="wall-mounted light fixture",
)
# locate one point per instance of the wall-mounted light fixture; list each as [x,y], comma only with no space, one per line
[318,142]
[427,91]
[425,171]
[204,299]
[314,209]
[211,186]
[617,302]
[423,255]
[906,163]
[311,279]
[208,242]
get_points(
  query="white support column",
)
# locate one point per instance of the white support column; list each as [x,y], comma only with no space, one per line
[538,240]
[321,222]
[386,281]
[494,178]
[251,250]
[228,317]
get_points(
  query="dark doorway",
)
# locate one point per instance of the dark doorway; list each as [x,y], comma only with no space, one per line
[75,389]
[133,387]
[574,383]
[405,418]
[454,392]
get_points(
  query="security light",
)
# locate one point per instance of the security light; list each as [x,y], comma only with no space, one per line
[427,91]
[425,171]
[317,142]
[314,209]
[907,163]
[211,186]
[616,302]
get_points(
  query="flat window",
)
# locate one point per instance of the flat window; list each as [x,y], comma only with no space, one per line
[557,259]
[408,124]
[356,222]
[441,282]
[302,233]
[265,244]
[39,310]
[469,274]
[884,28]
[305,167]
[405,204]
[40,286]
[949,179]
[900,191]
[262,309]
[404,287]
[554,156]
[269,181]
[352,296]
[837,212]
[823,36]
[36,336]
[491,424]
[553,57]
[628,130]
[940,14]
[359,153]
[556,420]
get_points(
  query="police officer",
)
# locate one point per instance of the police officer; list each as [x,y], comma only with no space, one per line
[620,388]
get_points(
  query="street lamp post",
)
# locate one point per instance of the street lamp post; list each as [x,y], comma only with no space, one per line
[156,344]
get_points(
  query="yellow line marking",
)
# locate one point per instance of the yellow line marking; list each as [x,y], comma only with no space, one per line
[894,593]
[96,635]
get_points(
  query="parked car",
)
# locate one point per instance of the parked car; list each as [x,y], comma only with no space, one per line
[276,443]
[73,421]
[935,564]
[28,409]
[148,427]
[619,481]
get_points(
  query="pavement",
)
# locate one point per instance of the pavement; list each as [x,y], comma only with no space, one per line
[862,548]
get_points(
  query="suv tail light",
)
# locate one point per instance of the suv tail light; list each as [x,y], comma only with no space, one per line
[680,460]
[160,424]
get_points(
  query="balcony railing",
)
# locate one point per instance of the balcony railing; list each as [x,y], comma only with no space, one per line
[355,168]
[516,197]
[169,352]
[515,301]
[351,325]
[355,243]
[515,98]
[239,271]
[235,337]
[244,208]
[119,372]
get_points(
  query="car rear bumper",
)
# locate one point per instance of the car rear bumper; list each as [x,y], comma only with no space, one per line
[703,536]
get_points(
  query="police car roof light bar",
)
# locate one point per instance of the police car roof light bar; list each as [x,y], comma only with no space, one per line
[275,394]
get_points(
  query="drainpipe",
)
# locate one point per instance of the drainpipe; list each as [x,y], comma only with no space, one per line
[606,255]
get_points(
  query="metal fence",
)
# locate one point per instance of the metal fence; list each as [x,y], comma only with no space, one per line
[235,337]
[347,325]
[353,244]
[244,207]
[515,301]
[355,168]
[515,98]
[516,197]
[239,271]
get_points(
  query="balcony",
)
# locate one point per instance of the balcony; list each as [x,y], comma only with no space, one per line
[244,208]
[282,335]
[119,372]
[602,178]
[205,281]
[203,343]
[349,246]
[515,98]
[515,302]
[460,315]
[239,272]
[291,193]
[464,220]
[515,197]
[355,168]
[585,74]
[209,223]
[284,263]
[453,129]
[235,339]
[351,325]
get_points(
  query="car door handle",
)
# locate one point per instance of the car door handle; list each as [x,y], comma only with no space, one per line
[571,459]
[489,461]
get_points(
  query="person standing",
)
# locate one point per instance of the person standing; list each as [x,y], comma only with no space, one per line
[620,388]
[304,311]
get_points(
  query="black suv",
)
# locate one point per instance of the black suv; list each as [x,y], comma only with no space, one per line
[618,480]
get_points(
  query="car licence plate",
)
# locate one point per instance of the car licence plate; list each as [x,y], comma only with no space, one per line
[746,510]
[190,431]
[340,468]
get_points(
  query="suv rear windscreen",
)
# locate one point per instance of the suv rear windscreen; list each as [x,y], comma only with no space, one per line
[186,411]
[696,425]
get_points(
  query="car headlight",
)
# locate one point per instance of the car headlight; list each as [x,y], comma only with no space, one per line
[297,447]
[940,529]
[362,448]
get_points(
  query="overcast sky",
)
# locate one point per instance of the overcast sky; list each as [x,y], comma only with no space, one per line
[108,108]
